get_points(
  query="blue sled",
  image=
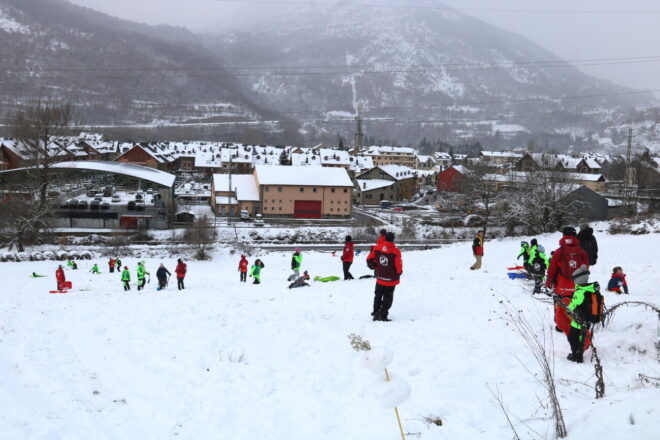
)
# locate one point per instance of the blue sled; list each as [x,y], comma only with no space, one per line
[513,276]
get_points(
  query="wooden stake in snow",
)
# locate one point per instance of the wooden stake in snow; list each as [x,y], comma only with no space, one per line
[396,410]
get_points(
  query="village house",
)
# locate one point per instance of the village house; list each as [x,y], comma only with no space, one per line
[386,182]
[304,192]
[451,179]
[405,156]
[230,194]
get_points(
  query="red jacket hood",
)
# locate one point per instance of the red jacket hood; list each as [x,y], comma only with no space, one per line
[569,241]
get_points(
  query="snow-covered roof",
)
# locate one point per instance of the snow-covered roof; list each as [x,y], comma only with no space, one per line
[399,172]
[127,169]
[245,186]
[226,200]
[371,184]
[586,177]
[307,176]
[504,154]
[375,151]
[441,155]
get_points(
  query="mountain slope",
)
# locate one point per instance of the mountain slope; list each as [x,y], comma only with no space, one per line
[116,70]
[409,64]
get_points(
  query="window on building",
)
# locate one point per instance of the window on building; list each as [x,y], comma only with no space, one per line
[313,190]
[266,189]
[273,201]
[302,190]
[331,209]
[345,190]
[280,208]
[332,190]
[280,201]
[367,196]
[332,202]
[279,189]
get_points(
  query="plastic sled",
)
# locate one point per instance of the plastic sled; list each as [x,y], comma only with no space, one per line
[515,268]
[68,285]
[58,291]
[516,275]
[326,279]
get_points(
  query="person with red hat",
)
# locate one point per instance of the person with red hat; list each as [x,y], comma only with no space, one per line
[60,277]
[565,260]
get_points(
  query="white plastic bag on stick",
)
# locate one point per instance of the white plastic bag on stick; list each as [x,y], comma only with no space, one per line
[392,393]
[377,359]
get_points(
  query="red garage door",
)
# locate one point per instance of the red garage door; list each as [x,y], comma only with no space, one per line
[307,209]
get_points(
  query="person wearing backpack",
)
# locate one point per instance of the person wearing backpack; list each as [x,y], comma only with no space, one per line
[587,307]
[385,259]
[588,243]
[618,281]
[296,262]
[478,250]
[565,260]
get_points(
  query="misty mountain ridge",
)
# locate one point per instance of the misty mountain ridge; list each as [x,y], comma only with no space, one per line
[113,70]
[412,64]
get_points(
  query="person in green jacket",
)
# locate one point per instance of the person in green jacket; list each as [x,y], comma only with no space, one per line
[141,272]
[255,271]
[296,262]
[95,269]
[578,331]
[118,265]
[126,278]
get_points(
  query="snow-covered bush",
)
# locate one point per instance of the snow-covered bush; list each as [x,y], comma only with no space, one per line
[634,225]
[36,256]
[86,255]
[62,255]
[8,256]
[22,256]
[48,255]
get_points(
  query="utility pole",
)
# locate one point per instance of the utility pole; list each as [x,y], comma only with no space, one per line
[230,211]
[628,154]
[359,135]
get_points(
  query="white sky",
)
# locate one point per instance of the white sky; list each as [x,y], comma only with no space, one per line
[572,31]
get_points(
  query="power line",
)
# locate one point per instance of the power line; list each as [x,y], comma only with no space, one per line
[445,8]
[541,63]
[339,70]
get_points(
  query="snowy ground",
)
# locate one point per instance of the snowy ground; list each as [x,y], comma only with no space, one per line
[230,360]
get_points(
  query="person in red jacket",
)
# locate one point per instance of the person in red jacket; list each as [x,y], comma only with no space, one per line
[478,250]
[565,260]
[243,268]
[181,269]
[386,260]
[59,276]
[347,257]
[111,264]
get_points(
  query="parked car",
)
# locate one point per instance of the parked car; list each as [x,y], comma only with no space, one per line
[107,191]
[73,203]
[258,220]
[98,197]
[95,204]
[105,205]
[139,197]
[245,215]
[131,205]
[91,193]
[82,204]
[64,204]
[116,199]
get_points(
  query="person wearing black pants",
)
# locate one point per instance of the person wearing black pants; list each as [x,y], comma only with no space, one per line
[179,283]
[243,277]
[385,258]
[347,258]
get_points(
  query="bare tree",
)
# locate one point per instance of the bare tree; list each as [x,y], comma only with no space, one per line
[480,190]
[21,223]
[540,201]
[201,235]
[36,128]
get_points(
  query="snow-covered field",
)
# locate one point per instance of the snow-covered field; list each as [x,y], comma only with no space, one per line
[230,360]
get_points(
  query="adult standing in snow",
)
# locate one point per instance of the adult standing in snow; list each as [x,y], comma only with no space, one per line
[477,250]
[181,269]
[588,243]
[111,264]
[162,274]
[60,277]
[141,272]
[385,258]
[126,279]
[381,237]
[347,257]
[118,265]
[296,262]
[243,268]
[565,260]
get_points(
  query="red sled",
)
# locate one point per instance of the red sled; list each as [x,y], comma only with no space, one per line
[58,291]
[68,285]
[515,268]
